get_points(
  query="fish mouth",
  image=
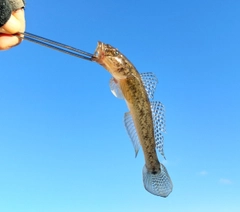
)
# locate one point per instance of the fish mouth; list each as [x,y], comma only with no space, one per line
[98,53]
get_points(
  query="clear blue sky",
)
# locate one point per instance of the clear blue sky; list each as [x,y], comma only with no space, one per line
[63,146]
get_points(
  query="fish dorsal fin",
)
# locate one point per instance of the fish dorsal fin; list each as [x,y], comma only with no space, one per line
[150,82]
[128,122]
[115,88]
[159,124]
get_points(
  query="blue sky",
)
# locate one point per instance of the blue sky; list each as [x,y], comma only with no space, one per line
[63,146]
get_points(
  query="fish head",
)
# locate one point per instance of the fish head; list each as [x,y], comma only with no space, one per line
[112,60]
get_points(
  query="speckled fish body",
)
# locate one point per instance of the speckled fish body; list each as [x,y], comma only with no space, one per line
[128,84]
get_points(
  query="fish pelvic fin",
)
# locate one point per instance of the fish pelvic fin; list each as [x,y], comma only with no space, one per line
[159,184]
[115,88]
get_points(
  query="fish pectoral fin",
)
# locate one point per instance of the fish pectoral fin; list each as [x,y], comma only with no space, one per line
[132,132]
[159,184]
[150,83]
[115,88]
[158,114]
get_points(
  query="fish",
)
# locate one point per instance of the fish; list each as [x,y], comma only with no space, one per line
[145,121]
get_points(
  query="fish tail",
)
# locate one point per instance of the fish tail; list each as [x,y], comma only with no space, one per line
[159,183]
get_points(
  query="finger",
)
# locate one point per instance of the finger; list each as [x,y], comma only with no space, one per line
[7,41]
[15,24]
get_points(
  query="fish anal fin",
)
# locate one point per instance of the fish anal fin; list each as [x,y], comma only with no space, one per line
[150,83]
[115,88]
[158,114]
[159,183]
[129,124]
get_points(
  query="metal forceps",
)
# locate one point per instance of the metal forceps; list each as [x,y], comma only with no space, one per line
[57,46]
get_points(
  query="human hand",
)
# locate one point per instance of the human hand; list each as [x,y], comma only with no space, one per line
[15,24]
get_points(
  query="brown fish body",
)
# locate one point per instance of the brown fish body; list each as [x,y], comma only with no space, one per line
[129,82]
[136,98]
[140,110]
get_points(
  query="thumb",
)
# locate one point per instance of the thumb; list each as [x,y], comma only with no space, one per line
[20,16]
[12,26]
